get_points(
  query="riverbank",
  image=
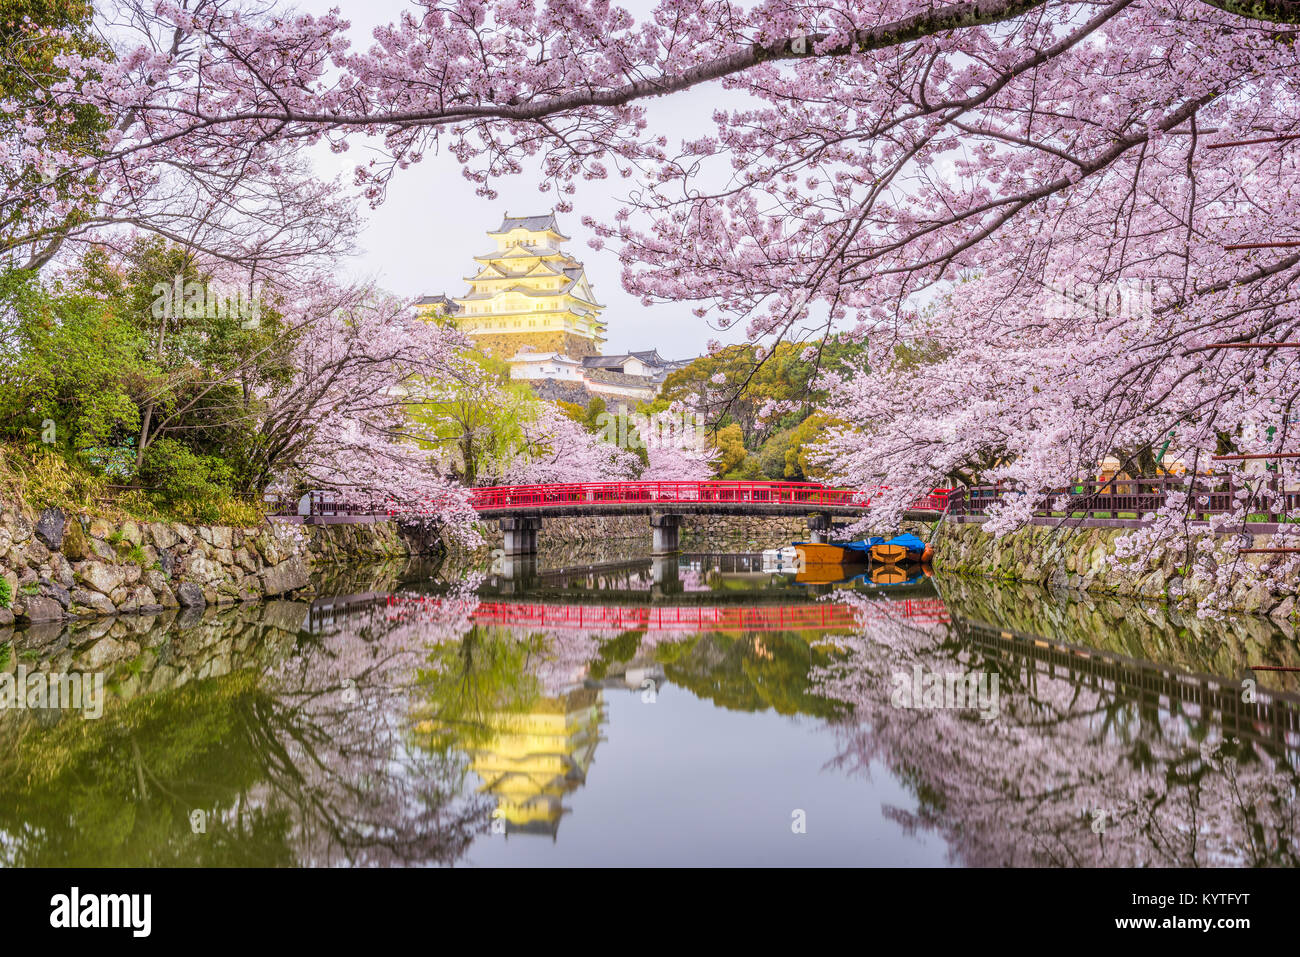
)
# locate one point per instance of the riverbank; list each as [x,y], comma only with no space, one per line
[1079,559]
[58,565]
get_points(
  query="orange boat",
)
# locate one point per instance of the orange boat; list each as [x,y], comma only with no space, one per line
[814,553]
[888,554]
[901,548]
[888,575]
[823,573]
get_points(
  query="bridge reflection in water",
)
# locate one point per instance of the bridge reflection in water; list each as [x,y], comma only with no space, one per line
[532,754]
[410,721]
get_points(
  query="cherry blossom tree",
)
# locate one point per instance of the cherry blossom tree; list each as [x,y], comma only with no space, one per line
[361,364]
[677,450]
[256,204]
[558,449]
[986,182]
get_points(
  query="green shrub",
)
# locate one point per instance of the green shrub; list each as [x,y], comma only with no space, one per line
[6,593]
[178,476]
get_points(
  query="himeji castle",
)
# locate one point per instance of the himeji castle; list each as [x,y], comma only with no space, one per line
[530,303]
[528,291]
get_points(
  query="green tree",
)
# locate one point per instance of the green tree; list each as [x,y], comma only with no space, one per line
[735,385]
[68,360]
[730,441]
[477,419]
[207,358]
[800,464]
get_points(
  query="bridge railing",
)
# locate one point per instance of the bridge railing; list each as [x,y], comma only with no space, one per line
[504,497]
[1133,499]
[792,617]
[807,494]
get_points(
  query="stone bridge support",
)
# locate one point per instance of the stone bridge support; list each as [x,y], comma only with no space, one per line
[667,533]
[517,573]
[820,525]
[666,576]
[520,535]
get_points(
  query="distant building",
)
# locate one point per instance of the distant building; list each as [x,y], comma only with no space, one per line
[622,381]
[648,363]
[531,304]
[528,364]
[429,306]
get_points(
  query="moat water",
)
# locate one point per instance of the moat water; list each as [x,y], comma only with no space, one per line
[695,710]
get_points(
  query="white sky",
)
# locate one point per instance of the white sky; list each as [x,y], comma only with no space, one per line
[421,239]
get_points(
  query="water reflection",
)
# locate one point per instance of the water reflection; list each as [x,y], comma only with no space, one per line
[646,711]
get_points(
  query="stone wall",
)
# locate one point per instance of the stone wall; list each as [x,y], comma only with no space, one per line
[1139,629]
[1077,559]
[76,566]
[159,651]
[699,533]
[503,345]
[706,533]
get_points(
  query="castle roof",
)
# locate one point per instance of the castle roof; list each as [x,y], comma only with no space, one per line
[527,353]
[531,270]
[438,300]
[535,294]
[520,252]
[604,362]
[650,357]
[535,224]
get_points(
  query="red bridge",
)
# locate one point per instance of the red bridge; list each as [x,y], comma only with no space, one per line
[804,616]
[779,498]
[521,508]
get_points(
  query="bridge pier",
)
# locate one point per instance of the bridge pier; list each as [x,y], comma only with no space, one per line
[820,525]
[520,535]
[667,533]
[665,575]
[517,573]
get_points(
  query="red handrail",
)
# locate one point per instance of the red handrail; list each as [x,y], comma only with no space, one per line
[805,494]
[682,617]
[808,494]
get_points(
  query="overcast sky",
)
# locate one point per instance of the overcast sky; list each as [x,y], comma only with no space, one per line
[422,238]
